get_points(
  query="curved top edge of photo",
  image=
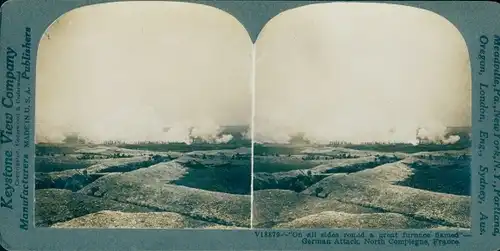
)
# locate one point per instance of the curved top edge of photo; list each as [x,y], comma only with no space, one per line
[273,21]
[350,10]
[177,9]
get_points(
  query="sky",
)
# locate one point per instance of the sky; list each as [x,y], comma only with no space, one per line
[142,72]
[150,71]
[360,72]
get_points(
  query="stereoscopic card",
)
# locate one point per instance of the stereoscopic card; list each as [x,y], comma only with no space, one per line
[249,125]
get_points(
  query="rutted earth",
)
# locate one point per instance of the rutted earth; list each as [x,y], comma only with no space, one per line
[318,187]
[112,187]
[332,187]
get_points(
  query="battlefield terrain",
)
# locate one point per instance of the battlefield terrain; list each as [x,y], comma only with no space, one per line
[143,185]
[372,185]
[296,185]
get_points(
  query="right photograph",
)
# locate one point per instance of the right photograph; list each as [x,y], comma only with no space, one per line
[362,120]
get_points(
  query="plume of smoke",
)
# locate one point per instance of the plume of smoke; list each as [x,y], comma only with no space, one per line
[247,134]
[273,133]
[436,134]
[224,138]
[451,140]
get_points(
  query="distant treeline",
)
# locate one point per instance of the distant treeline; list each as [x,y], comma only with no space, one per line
[408,148]
[273,149]
[463,143]
[183,147]
[44,149]
[296,148]
[237,132]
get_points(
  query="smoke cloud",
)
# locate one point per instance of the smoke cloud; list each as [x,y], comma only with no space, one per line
[143,71]
[361,73]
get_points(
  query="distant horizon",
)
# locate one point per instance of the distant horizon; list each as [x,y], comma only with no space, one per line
[242,130]
[198,140]
[255,143]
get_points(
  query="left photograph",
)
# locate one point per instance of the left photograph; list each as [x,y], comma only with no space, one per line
[143,113]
